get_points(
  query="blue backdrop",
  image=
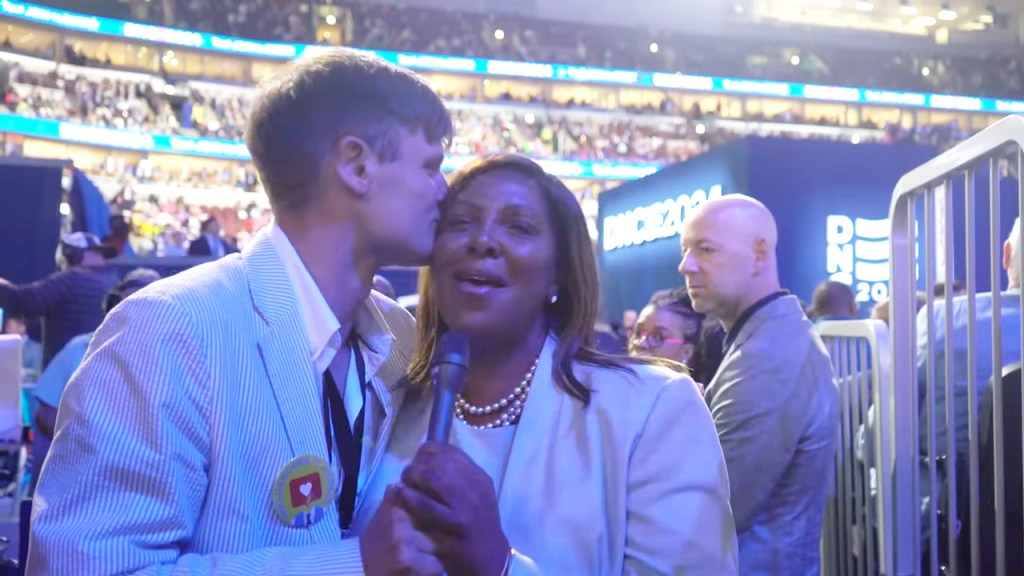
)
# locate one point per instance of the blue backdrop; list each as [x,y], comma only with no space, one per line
[29,221]
[831,201]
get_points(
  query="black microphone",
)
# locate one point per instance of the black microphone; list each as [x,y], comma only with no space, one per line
[449,381]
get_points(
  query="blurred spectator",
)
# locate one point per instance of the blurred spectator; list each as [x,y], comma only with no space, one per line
[983,370]
[710,351]
[209,241]
[628,323]
[881,310]
[391,26]
[833,301]
[68,300]
[31,351]
[57,374]
[940,289]
[120,230]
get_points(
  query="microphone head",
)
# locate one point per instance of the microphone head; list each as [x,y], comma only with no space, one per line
[453,349]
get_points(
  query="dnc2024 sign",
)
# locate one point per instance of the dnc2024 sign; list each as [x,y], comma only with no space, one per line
[656,221]
[858,255]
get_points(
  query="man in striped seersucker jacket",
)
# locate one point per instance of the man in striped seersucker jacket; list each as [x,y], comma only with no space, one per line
[212,425]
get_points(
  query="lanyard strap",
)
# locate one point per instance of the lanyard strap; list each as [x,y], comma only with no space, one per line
[349,440]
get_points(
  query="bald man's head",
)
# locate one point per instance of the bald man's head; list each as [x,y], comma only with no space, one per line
[1011,255]
[729,255]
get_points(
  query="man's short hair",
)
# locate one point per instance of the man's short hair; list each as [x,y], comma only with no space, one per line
[302,113]
[832,298]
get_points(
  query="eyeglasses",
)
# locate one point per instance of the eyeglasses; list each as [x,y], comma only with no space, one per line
[653,340]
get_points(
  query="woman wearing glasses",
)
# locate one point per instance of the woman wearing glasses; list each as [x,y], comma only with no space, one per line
[669,328]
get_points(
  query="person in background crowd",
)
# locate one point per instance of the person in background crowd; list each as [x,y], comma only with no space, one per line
[50,386]
[940,289]
[172,243]
[120,236]
[209,241]
[629,318]
[709,355]
[31,351]
[880,311]
[1010,314]
[668,328]
[833,301]
[774,398]
[557,461]
[607,340]
[69,300]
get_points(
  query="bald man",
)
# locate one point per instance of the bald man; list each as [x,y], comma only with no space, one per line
[773,399]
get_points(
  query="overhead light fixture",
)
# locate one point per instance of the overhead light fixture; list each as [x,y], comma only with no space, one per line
[906,9]
[832,3]
[988,17]
[795,60]
[653,47]
[926,71]
[947,13]
[865,5]
[923,22]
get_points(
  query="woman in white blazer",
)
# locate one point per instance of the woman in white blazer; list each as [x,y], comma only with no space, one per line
[561,460]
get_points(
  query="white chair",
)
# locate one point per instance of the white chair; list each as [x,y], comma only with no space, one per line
[11,447]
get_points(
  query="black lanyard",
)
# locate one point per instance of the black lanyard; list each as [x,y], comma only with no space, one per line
[350,441]
[734,332]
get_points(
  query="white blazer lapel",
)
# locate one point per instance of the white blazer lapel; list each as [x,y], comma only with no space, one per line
[532,447]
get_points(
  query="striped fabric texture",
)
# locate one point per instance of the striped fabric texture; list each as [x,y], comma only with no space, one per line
[194,393]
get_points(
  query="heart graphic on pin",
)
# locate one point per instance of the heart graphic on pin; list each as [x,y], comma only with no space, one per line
[305,489]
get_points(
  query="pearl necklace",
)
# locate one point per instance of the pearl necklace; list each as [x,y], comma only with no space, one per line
[507,409]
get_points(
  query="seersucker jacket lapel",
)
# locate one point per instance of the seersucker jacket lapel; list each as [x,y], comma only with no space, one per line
[283,348]
[387,336]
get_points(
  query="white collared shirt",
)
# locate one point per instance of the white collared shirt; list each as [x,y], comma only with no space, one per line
[323,331]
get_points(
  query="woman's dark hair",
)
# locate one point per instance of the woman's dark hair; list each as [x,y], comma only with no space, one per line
[704,332]
[572,317]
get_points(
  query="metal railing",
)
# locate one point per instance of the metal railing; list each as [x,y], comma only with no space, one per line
[856,536]
[940,355]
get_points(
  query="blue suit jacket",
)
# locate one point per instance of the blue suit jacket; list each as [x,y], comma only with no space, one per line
[193,395]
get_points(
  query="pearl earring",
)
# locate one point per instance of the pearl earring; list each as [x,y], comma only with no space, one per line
[554,298]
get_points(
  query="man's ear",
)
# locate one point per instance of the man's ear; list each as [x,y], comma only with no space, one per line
[1007,255]
[354,163]
[760,253]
